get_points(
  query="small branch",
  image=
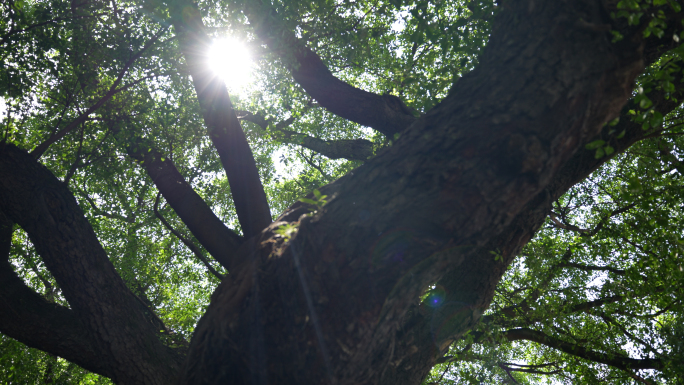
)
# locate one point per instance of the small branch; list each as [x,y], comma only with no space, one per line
[352,149]
[612,359]
[444,372]
[101,212]
[546,314]
[612,321]
[593,268]
[308,160]
[564,226]
[534,295]
[527,368]
[38,151]
[638,378]
[191,245]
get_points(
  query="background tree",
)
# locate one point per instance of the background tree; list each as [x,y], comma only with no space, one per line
[433,161]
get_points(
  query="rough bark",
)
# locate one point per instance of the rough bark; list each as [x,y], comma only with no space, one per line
[31,319]
[105,316]
[222,124]
[418,343]
[454,182]
[337,303]
[384,113]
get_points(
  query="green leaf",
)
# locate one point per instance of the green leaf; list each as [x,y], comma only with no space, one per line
[645,102]
[595,144]
[309,201]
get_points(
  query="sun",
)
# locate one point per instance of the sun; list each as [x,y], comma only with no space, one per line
[231,60]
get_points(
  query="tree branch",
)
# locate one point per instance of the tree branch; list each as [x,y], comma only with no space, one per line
[352,149]
[224,128]
[109,314]
[593,268]
[384,113]
[27,317]
[113,90]
[612,359]
[210,231]
[190,245]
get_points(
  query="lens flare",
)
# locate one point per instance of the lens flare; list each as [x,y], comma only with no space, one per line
[232,62]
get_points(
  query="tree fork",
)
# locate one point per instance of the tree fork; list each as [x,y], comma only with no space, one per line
[454,181]
[113,322]
[221,242]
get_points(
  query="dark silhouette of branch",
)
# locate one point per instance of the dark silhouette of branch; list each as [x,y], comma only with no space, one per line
[384,113]
[210,231]
[612,359]
[191,245]
[352,149]
[529,368]
[593,268]
[100,212]
[28,317]
[222,123]
[527,317]
[104,310]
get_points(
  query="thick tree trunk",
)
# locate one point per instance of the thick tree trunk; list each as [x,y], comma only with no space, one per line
[327,305]
[338,301]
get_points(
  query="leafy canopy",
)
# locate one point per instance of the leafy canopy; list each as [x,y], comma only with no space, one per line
[604,274]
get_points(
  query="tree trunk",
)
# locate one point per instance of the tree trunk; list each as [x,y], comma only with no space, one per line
[329,305]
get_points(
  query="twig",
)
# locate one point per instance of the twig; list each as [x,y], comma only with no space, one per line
[38,151]
[185,241]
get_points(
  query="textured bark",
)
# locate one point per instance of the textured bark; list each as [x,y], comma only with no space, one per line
[221,242]
[452,185]
[384,113]
[224,128]
[29,318]
[337,303]
[105,316]
[417,340]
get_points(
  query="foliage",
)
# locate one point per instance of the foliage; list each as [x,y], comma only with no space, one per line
[618,234]
[604,274]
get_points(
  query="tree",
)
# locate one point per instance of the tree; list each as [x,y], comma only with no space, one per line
[107,97]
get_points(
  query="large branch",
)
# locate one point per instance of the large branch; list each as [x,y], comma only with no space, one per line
[27,317]
[384,113]
[612,359]
[108,312]
[224,128]
[352,149]
[221,242]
